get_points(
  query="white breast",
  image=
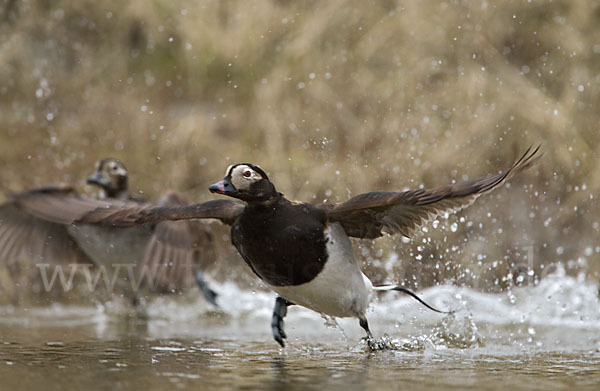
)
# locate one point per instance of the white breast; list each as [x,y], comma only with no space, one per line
[340,289]
[108,246]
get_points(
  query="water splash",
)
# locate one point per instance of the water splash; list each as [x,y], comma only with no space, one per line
[561,312]
[457,331]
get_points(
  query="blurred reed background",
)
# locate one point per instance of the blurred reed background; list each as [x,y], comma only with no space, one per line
[332,99]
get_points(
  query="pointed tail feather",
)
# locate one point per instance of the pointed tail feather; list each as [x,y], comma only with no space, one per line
[410,293]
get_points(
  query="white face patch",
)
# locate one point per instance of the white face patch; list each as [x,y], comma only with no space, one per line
[243,176]
[113,169]
[118,170]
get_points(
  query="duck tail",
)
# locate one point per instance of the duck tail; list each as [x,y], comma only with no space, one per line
[410,293]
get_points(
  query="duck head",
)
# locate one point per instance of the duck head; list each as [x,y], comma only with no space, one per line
[111,177]
[246,182]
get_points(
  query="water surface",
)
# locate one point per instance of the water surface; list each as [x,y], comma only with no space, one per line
[543,337]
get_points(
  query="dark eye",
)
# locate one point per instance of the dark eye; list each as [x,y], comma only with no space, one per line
[247,173]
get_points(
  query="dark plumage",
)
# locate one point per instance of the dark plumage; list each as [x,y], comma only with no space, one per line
[262,235]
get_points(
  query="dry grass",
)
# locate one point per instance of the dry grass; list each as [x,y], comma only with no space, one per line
[332,99]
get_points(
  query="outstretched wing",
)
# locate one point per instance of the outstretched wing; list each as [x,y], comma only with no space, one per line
[370,215]
[118,215]
[32,228]
[169,260]
[35,224]
[62,205]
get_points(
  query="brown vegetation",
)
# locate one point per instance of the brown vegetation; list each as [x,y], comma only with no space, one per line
[331,99]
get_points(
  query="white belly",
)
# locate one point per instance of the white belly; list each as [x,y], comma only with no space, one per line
[340,289]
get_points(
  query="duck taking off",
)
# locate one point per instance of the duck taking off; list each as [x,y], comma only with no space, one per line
[38,225]
[303,251]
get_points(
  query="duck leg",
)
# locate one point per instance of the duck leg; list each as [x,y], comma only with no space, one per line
[365,325]
[279,312]
[209,294]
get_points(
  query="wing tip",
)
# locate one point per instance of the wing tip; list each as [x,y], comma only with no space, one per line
[530,157]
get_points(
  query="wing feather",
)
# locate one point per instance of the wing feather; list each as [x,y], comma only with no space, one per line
[60,205]
[169,259]
[370,215]
[119,215]
[24,236]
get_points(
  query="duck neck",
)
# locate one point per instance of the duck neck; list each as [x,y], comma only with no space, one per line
[117,192]
[271,202]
